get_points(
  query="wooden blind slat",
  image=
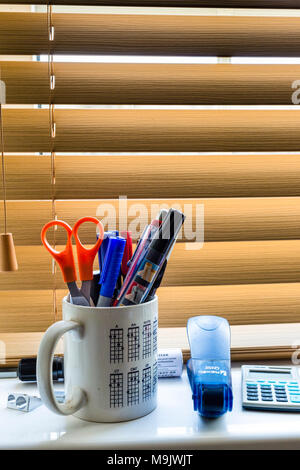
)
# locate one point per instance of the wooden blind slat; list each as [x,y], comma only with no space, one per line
[251,262]
[239,304]
[19,345]
[176,176]
[243,304]
[171,3]
[247,342]
[145,130]
[27,82]
[224,218]
[28,177]
[223,263]
[24,311]
[35,271]
[26,130]
[25,220]
[89,83]
[180,35]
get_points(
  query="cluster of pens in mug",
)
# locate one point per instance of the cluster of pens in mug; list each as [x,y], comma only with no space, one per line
[141,271]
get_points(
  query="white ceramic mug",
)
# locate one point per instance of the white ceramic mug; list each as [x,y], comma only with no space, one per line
[110,360]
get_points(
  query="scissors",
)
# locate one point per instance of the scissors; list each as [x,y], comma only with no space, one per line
[65,258]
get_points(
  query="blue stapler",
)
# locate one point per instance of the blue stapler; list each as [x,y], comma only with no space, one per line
[209,367]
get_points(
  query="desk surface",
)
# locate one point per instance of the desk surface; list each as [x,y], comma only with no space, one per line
[173,425]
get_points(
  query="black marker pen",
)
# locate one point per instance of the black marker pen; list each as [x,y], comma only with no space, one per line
[154,258]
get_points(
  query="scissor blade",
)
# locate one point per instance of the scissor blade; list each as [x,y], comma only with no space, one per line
[86,290]
[76,296]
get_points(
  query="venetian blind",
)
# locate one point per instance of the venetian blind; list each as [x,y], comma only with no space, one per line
[173,106]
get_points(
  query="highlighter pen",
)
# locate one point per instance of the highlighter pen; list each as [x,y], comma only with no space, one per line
[111,270]
[154,259]
[127,252]
[138,245]
[147,236]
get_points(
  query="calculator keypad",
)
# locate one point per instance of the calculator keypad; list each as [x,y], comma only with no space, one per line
[266,392]
[280,393]
[272,391]
[252,392]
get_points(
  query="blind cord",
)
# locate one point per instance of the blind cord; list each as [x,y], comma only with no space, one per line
[51,107]
[3,168]
[51,137]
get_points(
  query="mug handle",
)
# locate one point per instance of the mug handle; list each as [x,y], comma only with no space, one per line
[44,370]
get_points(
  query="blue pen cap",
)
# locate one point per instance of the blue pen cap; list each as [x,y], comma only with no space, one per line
[112,265]
[209,367]
[104,245]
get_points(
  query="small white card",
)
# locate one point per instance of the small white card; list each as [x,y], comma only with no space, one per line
[170,362]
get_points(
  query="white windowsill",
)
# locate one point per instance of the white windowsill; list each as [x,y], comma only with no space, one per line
[173,425]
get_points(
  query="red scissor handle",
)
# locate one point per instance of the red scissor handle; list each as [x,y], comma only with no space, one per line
[86,256]
[64,258]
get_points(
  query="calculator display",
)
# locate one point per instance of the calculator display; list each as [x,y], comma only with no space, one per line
[274,375]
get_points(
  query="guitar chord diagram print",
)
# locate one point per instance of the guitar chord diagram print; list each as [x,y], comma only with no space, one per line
[133,385]
[133,343]
[116,345]
[146,340]
[116,390]
[155,325]
[154,378]
[146,383]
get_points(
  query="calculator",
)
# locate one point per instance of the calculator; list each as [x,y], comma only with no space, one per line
[271,388]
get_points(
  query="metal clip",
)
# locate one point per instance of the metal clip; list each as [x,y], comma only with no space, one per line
[52,82]
[51,33]
[53,130]
[52,121]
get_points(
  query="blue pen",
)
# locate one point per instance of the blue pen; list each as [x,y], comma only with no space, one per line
[111,270]
[104,245]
